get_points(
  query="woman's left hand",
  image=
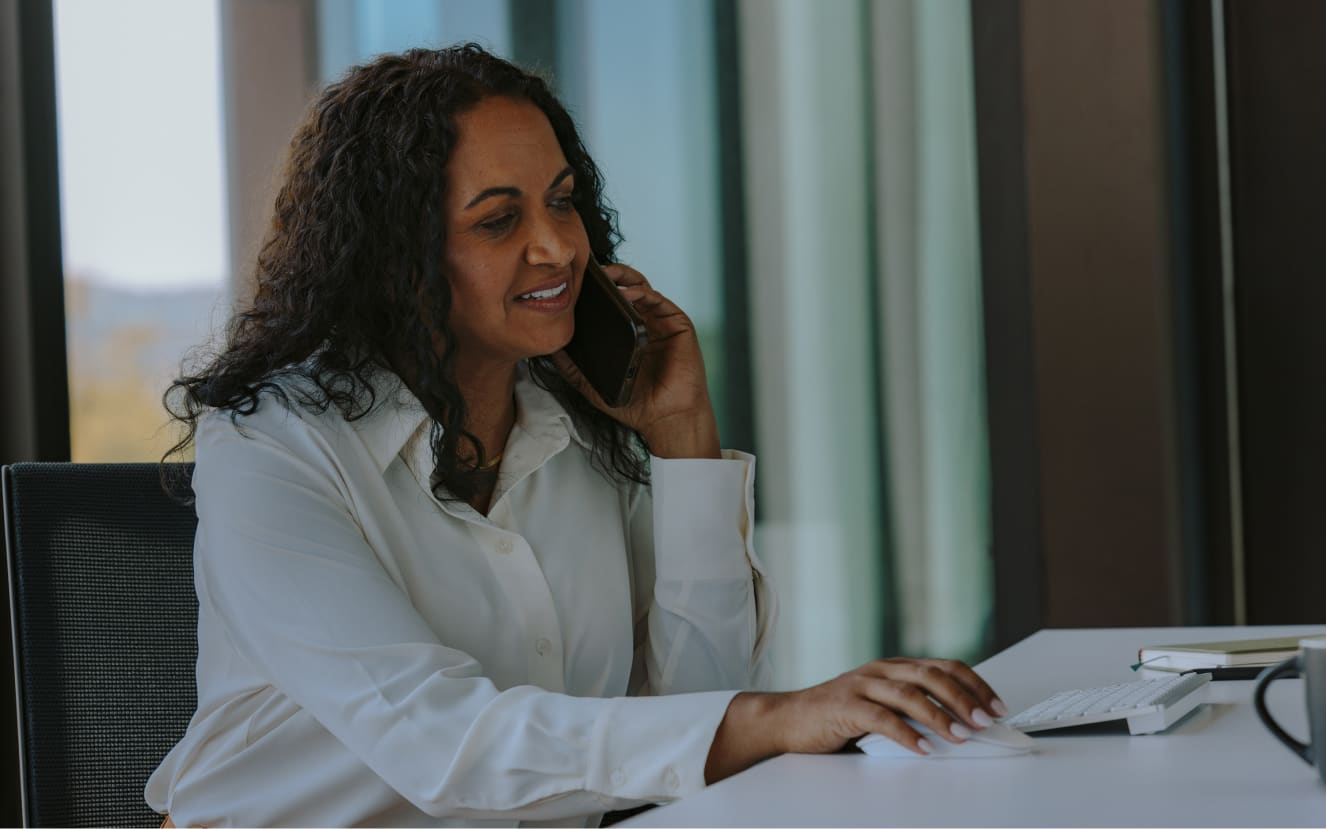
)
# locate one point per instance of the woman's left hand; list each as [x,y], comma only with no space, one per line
[670,405]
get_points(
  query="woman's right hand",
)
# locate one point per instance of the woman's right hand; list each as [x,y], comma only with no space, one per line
[945,695]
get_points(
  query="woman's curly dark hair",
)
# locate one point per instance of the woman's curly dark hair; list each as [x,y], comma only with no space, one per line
[353,269]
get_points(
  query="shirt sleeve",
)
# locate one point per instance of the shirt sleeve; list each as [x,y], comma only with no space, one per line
[302,596]
[705,608]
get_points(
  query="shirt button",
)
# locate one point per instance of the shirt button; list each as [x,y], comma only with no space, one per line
[618,778]
[542,646]
[505,546]
[671,780]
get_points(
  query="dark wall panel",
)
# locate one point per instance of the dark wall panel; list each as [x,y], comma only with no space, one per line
[1277,126]
[1199,201]
[34,409]
[1098,225]
[1015,497]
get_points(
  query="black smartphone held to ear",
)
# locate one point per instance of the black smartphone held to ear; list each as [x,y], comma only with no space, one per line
[610,337]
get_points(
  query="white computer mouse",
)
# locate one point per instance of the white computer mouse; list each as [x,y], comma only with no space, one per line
[998,740]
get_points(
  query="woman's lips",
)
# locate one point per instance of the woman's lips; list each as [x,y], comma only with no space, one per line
[541,301]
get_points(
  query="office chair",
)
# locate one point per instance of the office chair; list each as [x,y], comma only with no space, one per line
[105,635]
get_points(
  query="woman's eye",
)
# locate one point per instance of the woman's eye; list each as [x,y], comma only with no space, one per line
[563,203]
[498,224]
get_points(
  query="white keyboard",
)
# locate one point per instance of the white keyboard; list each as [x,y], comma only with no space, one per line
[1149,705]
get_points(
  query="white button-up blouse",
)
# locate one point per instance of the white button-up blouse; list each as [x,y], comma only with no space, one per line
[368,654]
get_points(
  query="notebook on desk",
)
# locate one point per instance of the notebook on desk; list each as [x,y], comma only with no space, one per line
[1237,652]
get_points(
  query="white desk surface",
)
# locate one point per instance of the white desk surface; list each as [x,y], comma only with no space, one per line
[1217,767]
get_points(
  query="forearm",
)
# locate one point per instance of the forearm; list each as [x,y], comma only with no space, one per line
[746,735]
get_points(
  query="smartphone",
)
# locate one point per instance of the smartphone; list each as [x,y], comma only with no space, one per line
[610,337]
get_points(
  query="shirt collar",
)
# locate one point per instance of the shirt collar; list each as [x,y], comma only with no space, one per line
[539,413]
[399,416]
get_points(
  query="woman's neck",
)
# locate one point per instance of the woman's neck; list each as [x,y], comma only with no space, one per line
[490,412]
[490,405]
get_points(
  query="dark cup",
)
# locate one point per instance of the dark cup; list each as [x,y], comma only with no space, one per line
[1311,663]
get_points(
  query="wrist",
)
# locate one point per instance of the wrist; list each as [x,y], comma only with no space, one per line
[684,436]
[768,714]
[749,733]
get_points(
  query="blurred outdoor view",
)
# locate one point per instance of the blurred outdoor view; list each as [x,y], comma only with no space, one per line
[143,211]
[125,346]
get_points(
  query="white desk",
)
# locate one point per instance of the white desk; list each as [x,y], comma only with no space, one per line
[1217,767]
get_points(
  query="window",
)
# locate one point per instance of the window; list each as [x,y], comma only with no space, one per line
[143,201]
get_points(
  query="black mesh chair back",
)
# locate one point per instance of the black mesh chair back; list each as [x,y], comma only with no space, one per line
[105,635]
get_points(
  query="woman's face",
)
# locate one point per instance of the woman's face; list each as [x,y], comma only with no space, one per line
[516,247]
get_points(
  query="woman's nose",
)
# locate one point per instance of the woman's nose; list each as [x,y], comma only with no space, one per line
[551,243]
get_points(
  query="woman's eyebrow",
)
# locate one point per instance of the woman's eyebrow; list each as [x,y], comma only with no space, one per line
[515,192]
[560,177]
[493,191]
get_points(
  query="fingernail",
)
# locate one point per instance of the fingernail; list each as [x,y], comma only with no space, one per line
[981,718]
[960,731]
[924,745]
[999,708]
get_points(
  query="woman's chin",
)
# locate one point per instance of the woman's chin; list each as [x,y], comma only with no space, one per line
[547,341]
[555,344]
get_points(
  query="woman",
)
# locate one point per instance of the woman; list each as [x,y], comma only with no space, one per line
[438,579]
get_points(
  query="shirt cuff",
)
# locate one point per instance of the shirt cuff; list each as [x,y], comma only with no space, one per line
[655,748]
[703,513]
